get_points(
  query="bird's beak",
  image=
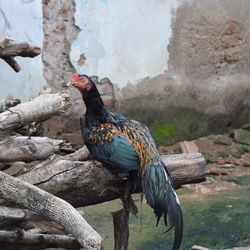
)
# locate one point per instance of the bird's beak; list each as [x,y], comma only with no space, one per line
[69,84]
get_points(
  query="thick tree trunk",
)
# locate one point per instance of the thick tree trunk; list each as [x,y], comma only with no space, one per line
[87,183]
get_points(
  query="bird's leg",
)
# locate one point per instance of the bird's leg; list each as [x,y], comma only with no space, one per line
[127,200]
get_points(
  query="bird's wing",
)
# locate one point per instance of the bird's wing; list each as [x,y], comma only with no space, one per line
[108,145]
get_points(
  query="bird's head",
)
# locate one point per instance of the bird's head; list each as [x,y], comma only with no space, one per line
[82,82]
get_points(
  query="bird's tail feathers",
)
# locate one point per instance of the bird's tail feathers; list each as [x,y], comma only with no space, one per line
[161,196]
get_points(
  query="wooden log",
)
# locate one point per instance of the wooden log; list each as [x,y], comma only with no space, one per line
[11,215]
[36,240]
[81,154]
[39,109]
[121,229]
[8,103]
[23,148]
[87,183]
[10,48]
[53,208]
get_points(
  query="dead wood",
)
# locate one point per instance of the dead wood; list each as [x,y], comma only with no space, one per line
[8,103]
[39,109]
[23,148]
[36,240]
[9,49]
[53,208]
[121,229]
[87,183]
[81,154]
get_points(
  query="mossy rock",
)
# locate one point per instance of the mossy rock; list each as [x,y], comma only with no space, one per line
[242,136]
[223,154]
[246,164]
[223,140]
[242,180]
[236,153]
[209,157]
[244,149]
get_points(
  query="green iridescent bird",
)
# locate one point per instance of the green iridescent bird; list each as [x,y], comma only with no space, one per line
[126,145]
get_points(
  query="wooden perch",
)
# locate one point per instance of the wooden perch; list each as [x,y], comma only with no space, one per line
[35,239]
[87,183]
[39,109]
[54,208]
[9,49]
[23,148]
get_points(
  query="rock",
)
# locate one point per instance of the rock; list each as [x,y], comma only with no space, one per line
[244,149]
[217,171]
[209,157]
[246,126]
[246,164]
[223,153]
[196,247]
[223,140]
[242,136]
[239,248]
[228,165]
[242,180]
[236,153]
[189,147]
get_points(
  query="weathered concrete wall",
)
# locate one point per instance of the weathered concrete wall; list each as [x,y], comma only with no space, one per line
[180,66]
[206,88]
[125,41]
[22,20]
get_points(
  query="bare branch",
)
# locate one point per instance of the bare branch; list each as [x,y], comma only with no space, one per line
[23,148]
[81,154]
[10,48]
[54,208]
[39,109]
[35,239]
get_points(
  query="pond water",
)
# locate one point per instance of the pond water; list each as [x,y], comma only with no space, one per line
[217,221]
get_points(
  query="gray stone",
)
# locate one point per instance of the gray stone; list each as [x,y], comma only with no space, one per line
[246,164]
[242,136]
[223,140]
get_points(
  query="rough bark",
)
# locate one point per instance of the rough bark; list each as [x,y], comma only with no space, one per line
[39,109]
[53,208]
[87,183]
[81,154]
[121,229]
[36,240]
[10,48]
[22,148]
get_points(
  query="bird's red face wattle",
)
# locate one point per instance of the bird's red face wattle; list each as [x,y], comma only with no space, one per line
[80,82]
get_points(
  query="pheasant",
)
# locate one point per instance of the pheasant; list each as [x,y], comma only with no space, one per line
[126,145]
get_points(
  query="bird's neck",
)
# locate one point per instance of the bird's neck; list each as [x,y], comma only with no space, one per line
[96,112]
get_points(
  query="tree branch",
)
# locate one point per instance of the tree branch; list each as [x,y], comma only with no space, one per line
[10,48]
[38,240]
[39,109]
[23,148]
[54,208]
[87,183]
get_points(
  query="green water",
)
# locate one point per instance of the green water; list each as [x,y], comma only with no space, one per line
[218,221]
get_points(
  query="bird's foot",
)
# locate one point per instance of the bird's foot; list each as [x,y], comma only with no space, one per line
[123,176]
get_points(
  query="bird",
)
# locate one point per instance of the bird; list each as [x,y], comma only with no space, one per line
[126,145]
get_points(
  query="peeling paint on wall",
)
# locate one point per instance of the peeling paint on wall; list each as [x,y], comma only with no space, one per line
[123,40]
[22,20]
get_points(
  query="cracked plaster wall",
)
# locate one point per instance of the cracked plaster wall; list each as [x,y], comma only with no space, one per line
[183,64]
